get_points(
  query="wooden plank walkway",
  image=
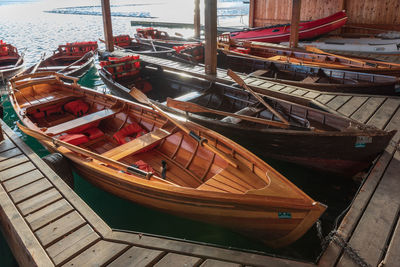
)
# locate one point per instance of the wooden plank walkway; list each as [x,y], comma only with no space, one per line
[47,224]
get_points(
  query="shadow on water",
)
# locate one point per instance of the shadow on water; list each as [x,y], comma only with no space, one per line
[334,191]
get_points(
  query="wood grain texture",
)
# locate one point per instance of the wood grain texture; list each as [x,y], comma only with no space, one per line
[137,256]
[99,254]
[23,179]
[73,243]
[59,228]
[178,260]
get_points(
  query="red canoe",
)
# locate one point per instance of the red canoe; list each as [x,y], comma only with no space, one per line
[281,33]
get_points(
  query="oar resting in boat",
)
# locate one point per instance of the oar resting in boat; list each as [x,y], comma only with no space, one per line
[125,147]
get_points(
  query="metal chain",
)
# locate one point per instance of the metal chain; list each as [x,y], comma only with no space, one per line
[335,237]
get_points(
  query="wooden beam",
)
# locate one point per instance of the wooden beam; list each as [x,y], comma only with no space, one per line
[294,25]
[210,25]
[108,35]
[251,13]
[196,21]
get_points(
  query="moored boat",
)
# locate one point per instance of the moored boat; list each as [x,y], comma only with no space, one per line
[310,57]
[316,78]
[315,138]
[175,166]
[162,38]
[11,62]
[71,59]
[281,33]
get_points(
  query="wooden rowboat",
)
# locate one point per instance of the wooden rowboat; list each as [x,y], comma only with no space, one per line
[281,33]
[316,78]
[312,57]
[175,166]
[125,44]
[11,62]
[162,38]
[315,138]
[72,59]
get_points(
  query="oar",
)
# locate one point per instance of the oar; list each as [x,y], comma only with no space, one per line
[239,81]
[116,164]
[192,107]
[76,62]
[20,58]
[38,64]
[139,96]
[319,51]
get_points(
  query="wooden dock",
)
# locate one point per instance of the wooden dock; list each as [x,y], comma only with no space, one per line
[47,224]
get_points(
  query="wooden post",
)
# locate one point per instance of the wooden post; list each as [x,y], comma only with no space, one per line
[251,13]
[294,25]
[108,35]
[196,19]
[210,25]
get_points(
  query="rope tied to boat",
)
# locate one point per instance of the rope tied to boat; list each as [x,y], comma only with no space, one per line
[335,237]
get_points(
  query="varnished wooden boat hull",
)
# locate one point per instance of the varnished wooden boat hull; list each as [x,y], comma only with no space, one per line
[363,83]
[54,64]
[6,74]
[326,152]
[259,201]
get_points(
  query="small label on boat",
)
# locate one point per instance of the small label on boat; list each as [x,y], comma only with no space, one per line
[284,215]
[362,141]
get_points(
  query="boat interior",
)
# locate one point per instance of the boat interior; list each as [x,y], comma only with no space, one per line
[135,136]
[235,100]
[302,74]
[8,56]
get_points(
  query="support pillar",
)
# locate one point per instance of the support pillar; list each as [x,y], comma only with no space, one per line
[294,25]
[196,21]
[210,25]
[108,35]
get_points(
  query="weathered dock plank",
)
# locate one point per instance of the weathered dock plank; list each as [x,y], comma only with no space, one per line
[137,256]
[375,226]
[384,113]
[178,260]
[368,109]
[70,246]
[392,257]
[99,254]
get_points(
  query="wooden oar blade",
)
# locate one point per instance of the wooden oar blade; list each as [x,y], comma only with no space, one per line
[314,49]
[235,77]
[185,106]
[139,96]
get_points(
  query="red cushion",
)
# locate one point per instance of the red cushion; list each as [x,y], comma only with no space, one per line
[128,133]
[77,107]
[83,128]
[144,166]
[74,139]
[93,133]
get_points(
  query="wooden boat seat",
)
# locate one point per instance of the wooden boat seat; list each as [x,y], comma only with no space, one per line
[311,79]
[33,103]
[137,144]
[69,125]
[249,111]
[224,181]
[56,68]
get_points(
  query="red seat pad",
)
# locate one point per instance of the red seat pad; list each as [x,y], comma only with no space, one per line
[83,128]
[128,133]
[144,166]
[74,139]
[93,133]
[77,107]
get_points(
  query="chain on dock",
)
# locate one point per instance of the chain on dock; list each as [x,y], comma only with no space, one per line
[339,240]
